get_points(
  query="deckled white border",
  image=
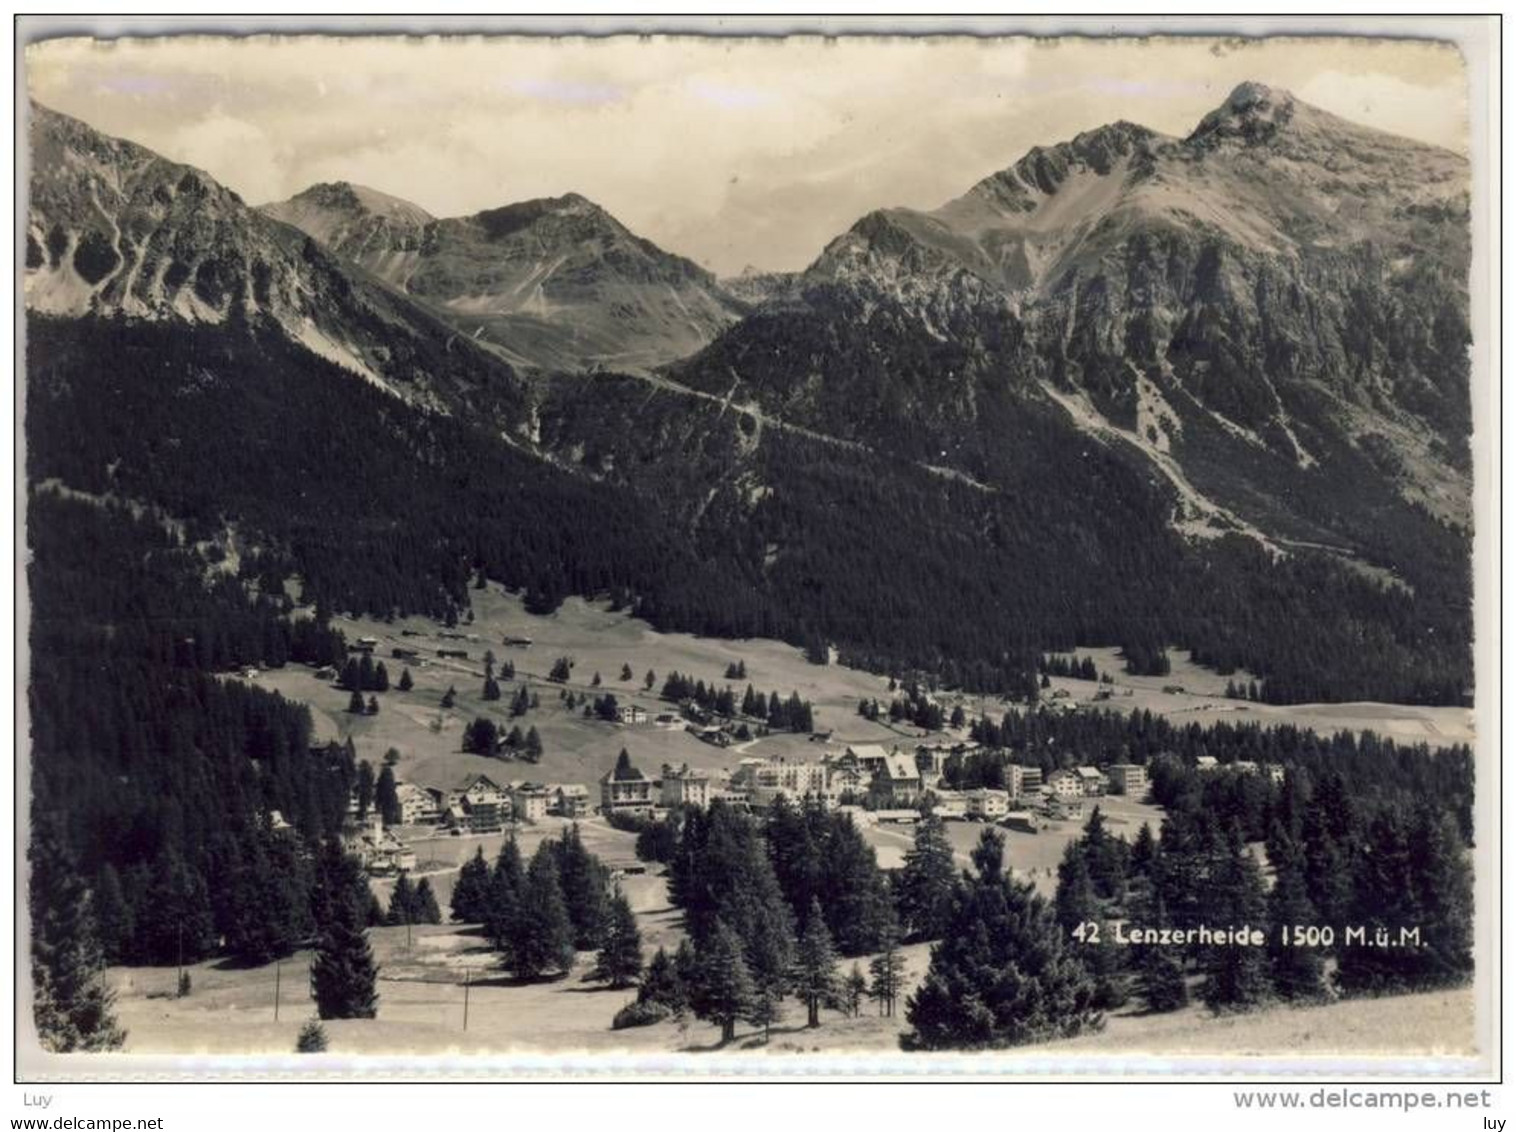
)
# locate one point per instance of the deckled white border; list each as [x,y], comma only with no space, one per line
[1478,41]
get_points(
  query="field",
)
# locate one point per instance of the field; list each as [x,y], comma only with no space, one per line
[422,1000]
[1204,701]
[424,971]
[429,737]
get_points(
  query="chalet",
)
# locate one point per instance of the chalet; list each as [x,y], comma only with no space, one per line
[1275,771]
[517,642]
[404,654]
[1173,689]
[715,736]
[1245,766]
[571,800]
[668,719]
[986,805]
[1065,784]
[1129,779]
[326,672]
[625,790]
[364,644]
[631,714]
[898,783]
[1205,764]
[530,801]
[685,787]
[481,804]
[418,806]
[846,779]
[870,756]
[1091,781]
[454,654]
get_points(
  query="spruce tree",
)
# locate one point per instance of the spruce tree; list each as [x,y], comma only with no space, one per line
[449,696]
[722,991]
[71,1003]
[619,961]
[343,972]
[406,681]
[816,979]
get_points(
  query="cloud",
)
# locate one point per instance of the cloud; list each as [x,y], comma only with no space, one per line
[727,150]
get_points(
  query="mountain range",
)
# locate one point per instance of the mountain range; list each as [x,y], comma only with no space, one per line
[1132,389]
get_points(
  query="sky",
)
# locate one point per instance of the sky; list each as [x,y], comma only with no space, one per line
[734,152]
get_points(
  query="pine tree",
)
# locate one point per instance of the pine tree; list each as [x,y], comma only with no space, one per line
[816,979]
[649,680]
[373,706]
[402,902]
[115,918]
[312,1038]
[542,941]
[471,891]
[1237,975]
[343,972]
[1075,899]
[355,703]
[491,689]
[770,949]
[619,961]
[626,672]
[663,984]
[71,1003]
[1002,974]
[425,904]
[449,697]
[853,990]
[723,990]
[532,748]
[1296,969]
[365,788]
[886,972]
[387,796]
[406,681]
[924,895]
[506,886]
[1160,981]
[582,879]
